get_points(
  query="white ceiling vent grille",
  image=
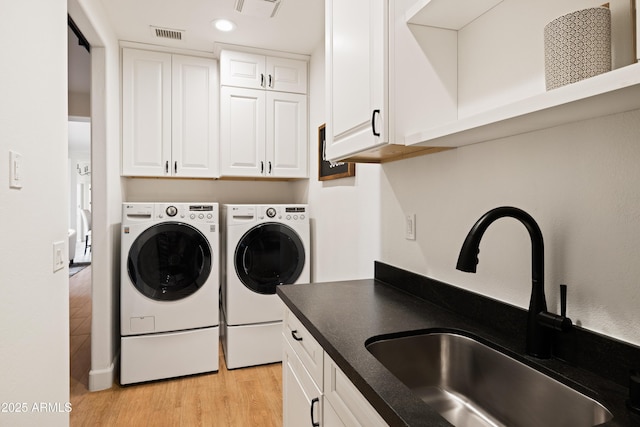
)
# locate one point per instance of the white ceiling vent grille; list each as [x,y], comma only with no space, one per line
[167,33]
[259,8]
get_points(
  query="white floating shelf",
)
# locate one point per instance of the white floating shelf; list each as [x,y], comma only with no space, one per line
[448,14]
[613,92]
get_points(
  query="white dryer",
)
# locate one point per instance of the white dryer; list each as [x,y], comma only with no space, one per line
[263,246]
[169,307]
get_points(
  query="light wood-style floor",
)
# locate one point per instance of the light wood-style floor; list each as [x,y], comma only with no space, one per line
[238,398]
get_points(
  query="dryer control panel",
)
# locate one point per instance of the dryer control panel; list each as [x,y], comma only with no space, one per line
[282,212]
[244,214]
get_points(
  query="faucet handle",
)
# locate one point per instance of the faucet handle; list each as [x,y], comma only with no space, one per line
[563,300]
[558,322]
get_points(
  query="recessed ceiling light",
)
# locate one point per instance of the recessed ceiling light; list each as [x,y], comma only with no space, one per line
[223,25]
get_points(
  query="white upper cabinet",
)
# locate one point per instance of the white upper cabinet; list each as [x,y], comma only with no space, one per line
[356,76]
[169,115]
[286,139]
[380,86]
[242,131]
[194,117]
[263,134]
[263,116]
[253,71]
[146,113]
[286,75]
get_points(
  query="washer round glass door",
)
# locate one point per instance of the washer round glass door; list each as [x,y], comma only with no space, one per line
[169,261]
[268,255]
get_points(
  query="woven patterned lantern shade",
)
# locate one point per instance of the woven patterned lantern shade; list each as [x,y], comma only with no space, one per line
[577,46]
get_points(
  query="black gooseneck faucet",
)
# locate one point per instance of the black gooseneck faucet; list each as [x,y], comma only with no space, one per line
[539,321]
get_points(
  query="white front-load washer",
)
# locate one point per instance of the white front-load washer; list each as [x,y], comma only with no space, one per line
[169,305]
[263,246]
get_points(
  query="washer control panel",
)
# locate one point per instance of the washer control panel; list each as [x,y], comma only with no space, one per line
[205,212]
[293,213]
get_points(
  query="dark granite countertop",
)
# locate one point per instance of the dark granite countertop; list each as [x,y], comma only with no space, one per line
[342,316]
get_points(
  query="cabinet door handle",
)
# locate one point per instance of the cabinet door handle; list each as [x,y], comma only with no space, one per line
[313,403]
[269,168]
[295,337]
[261,80]
[166,167]
[373,122]
[175,167]
[270,82]
[261,167]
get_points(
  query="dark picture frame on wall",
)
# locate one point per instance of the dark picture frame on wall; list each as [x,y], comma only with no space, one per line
[331,170]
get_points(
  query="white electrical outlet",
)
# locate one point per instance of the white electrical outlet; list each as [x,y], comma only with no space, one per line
[58,256]
[410,227]
[15,170]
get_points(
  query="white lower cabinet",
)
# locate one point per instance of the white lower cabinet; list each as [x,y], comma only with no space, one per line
[315,391]
[330,416]
[306,347]
[302,397]
[349,405]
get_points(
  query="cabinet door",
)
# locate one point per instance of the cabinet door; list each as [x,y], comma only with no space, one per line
[194,118]
[306,347]
[302,400]
[345,399]
[146,113]
[286,75]
[242,69]
[286,139]
[330,417]
[357,75]
[242,132]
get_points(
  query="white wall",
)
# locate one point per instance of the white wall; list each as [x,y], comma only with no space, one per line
[79,104]
[206,190]
[34,308]
[580,183]
[345,213]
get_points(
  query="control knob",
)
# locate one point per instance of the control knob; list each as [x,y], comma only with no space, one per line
[172,211]
[271,212]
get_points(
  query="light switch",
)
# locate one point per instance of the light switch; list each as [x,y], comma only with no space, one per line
[15,170]
[410,227]
[58,256]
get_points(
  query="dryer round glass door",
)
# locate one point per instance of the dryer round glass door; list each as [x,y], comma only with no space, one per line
[169,261]
[268,255]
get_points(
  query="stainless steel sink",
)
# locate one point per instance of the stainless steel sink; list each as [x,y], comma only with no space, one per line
[473,385]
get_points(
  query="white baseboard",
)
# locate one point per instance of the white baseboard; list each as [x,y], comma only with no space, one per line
[102,379]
